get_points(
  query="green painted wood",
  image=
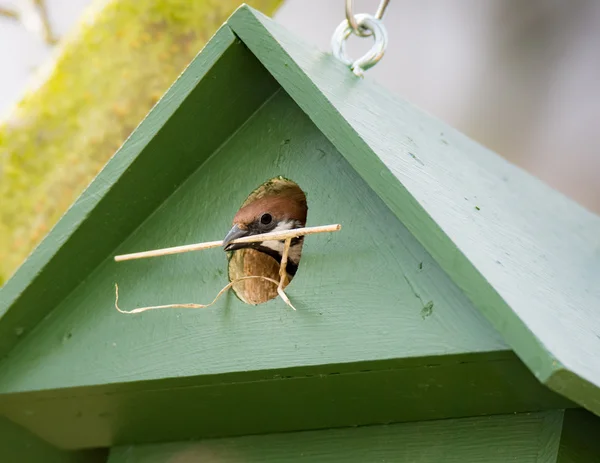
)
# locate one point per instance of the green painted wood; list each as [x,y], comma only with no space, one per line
[17,445]
[528,257]
[361,293]
[579,441]
[218,91]
[384,304]
[279,401]
[529,438]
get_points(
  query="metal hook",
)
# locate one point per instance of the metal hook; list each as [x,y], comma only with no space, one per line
[369,59]
[356,27]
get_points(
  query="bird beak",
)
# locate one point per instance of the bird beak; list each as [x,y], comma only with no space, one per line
[234,233]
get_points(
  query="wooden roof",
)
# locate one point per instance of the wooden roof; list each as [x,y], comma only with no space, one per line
[527,256]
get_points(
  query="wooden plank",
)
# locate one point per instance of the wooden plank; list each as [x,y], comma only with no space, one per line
[579,438]
[527,438]
[279,401]
[19,445]
[524,254]
[360,294]
[153,162]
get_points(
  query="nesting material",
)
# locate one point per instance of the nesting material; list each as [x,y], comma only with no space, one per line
[192,305]
[278,282]
[217,244]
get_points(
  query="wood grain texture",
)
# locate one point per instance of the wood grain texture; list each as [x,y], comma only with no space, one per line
[528,257]
[528,438]
[152,163]
[360,293]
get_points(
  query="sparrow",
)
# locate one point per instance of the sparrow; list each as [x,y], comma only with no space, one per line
[273,212]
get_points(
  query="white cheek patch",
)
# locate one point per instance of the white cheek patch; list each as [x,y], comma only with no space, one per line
[278,245]
[275,245]
[283,226]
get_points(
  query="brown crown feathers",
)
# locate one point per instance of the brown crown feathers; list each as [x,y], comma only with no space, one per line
[286,204]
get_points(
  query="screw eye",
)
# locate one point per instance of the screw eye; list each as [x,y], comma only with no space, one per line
[266,219]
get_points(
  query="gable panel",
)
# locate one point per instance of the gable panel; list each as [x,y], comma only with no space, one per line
[362,293]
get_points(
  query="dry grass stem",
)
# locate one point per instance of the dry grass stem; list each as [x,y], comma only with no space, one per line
[215,244]
[284,261]
[199,306]
[283,273]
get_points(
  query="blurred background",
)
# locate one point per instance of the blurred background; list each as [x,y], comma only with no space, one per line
[77,76]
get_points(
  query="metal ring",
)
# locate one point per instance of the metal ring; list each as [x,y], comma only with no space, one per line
[356,28]
[369,59]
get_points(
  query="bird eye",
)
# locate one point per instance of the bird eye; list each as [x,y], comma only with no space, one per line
[266,219]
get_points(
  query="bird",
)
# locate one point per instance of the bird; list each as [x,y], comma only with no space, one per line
[279,210]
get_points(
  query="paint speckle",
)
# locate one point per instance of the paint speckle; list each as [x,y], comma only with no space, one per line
[477,208]
[420,265]
[19,330]
[427,310]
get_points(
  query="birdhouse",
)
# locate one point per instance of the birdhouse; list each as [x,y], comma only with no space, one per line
[455,316]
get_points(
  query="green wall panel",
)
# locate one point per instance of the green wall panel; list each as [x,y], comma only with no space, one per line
[360,325]
[528,438]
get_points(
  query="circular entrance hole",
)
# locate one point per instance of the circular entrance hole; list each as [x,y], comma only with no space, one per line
[253,262]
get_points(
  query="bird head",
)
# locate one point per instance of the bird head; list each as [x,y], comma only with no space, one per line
[284,210]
